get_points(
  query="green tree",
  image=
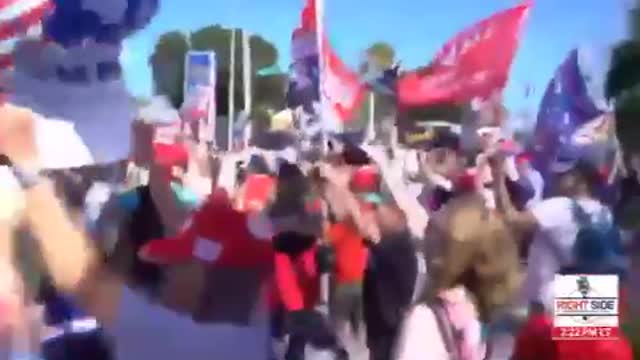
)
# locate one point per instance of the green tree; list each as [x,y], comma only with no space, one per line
[167,65]
[623,85]
[379,57]
[381,54]
[266,89]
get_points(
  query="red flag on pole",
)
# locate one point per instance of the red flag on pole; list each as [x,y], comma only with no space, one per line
[475,63]
[341,87]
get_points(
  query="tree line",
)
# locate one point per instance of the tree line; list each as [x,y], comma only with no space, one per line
[269,90]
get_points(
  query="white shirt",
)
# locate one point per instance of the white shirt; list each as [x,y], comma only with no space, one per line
[420,337]
[552,246]
[536,180]
[144,330]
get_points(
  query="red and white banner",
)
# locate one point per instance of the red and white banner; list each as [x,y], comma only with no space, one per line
[341,90]
[474,64]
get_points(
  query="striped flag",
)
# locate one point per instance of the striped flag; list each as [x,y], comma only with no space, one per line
[19,19]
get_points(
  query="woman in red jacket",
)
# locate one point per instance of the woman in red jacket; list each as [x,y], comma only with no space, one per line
[296,277]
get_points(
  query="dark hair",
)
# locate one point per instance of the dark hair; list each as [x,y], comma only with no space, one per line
[4,160]
[258,165]
[588,174]
[291,189]
[353,155]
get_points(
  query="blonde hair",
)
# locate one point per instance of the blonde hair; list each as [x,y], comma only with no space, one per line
[479,252]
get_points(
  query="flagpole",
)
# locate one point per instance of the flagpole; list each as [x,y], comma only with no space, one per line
[248,84]
[371,130]
[232,87]
[246,70]
[325,279]
[319,10]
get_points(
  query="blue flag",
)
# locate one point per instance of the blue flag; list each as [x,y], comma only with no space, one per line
[565,108]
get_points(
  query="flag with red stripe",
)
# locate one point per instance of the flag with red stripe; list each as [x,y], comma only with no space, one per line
[19,19]
[474,64]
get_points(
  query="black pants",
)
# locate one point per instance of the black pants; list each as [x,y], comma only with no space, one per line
[91,345]
[296,344]
[381,346]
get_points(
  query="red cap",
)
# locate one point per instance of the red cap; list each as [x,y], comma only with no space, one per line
[523,158]
[365,179]
[171,155]
[218,235]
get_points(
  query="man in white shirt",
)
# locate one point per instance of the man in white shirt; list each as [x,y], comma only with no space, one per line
[552,223]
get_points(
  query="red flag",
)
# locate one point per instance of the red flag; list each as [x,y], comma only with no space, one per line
[475,63]
[341,87]
[308,16]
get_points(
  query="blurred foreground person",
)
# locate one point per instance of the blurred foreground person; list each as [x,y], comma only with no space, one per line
[169,326]
[473,271]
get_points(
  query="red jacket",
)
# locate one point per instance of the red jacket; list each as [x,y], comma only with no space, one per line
[351,253]
[297,282]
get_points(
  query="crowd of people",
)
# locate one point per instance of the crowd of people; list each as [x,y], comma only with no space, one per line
[367,251]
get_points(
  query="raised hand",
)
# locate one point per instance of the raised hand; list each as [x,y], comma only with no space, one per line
[17,135]
[143,134]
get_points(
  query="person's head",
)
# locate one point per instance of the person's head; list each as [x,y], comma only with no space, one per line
[471,246]
[290,209]
[173,159]
[574,176]
[444,154]
[354,156]
[488,136]
[291,188]
[258,165]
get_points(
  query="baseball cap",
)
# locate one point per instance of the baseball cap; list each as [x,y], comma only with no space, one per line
[234,239]
[171,155]
[524,157]
[366,183]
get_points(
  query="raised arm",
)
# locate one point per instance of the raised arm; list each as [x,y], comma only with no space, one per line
[392,174]
[523,221]
[73,264]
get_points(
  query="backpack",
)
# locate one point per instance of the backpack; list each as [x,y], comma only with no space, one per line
[598,246]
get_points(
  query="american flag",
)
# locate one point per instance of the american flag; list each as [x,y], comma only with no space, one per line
[19,19]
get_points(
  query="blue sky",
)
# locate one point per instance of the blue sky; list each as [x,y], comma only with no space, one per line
[416,28]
